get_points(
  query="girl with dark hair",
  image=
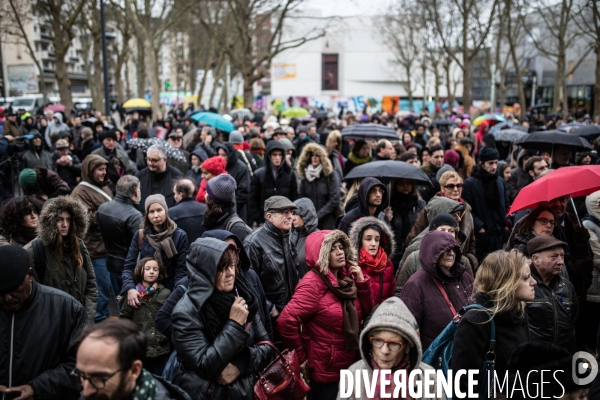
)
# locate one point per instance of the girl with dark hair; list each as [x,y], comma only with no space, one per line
[359,155]
[20,217]
[59,257]
[541,221]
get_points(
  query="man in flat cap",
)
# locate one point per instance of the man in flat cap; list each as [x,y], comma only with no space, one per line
[552,312]
[272,256]
[38,328]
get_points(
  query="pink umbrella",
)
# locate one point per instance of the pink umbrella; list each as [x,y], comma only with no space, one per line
[55,108]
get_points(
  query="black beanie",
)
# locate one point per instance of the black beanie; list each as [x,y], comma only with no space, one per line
[442,219]
[108,134]
[488,153]
[12,273]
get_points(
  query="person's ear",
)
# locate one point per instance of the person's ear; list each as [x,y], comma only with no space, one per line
[136,369]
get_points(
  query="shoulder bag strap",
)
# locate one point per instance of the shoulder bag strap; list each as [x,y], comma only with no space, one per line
[445,295]
[97,189]
[269,344]
[380,288]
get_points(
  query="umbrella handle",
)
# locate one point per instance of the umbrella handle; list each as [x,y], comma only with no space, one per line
[575,209]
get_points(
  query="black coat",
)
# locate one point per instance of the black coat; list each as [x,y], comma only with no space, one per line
[68,174]
[158,183]
[43,334]
[363,208]
[275,261]
[189,215]
[264,185]
[324,192]
[118,222]
[204,357]
[406,209]
[176,269]
[472,340]
[239,171]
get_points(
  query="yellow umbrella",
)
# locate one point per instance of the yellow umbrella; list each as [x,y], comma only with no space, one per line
[137,103]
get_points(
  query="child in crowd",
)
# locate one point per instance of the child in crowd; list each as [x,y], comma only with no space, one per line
[152,296]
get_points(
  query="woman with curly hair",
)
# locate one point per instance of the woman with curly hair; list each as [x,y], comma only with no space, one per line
[20,217]
[59,257]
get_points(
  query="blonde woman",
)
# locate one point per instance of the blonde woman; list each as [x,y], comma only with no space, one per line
[503,284]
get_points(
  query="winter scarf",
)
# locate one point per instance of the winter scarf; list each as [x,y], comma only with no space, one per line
[358,161]
[312,172]
[24,236]
[492,194]
[346,293]
[145,388]
[217,307]
[373,264]
[146,293]
[162,242]
[404,365]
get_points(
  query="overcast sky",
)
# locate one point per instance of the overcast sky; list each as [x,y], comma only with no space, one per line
[345,8]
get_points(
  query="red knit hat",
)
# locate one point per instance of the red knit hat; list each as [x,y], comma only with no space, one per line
[215,165]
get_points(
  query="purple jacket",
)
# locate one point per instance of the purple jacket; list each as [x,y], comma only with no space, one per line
[421,294]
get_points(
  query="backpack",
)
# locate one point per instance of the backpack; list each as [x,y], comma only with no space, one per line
[234,219]
[439,352]
[39,257]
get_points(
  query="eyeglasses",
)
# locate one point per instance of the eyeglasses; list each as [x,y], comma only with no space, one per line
[452,186]
[176,138]
[284,212]
[545,221]
[153,160]
[393,346]
[97,381]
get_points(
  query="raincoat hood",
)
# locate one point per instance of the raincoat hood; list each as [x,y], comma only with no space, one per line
[202,260]
[232,154]
[387,240]
[307,212]
[200,153]
[318,247]
[440,204]
[433,245]
[363,196]
[90,163]
[223,235]
[592,202]
[52,208]
[393,316]
[313,149]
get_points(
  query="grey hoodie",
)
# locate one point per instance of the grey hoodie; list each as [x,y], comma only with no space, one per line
[306,211]
[54,127]
[392,316]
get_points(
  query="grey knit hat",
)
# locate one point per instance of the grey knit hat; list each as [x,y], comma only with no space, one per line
[221,189]
[156,198]
[236,137]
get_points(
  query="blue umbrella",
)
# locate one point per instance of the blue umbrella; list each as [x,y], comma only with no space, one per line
[214,120]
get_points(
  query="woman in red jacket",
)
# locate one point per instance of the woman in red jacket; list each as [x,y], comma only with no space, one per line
[374,243]
[329,303]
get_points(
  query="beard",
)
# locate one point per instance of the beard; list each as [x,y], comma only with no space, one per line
[120,392]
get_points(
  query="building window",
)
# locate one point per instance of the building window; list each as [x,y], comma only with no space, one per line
[329,72]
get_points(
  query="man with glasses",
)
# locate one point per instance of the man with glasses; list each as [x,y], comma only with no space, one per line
[272,256]
[39,326]
[373,199]
[110,367]
[552,312]
[158,176]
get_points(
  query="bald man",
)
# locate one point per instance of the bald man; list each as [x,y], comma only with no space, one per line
[187,214]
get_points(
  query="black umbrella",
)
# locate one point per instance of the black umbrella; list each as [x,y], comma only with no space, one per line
[588,132]
[508,135]
[443,122]
[369,131]
[547,140]
[321,114]
[389,169]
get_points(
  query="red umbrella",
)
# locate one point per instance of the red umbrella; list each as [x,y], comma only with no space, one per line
[575,181]
[55,108]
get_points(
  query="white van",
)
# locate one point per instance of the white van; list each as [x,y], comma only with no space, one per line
[32,102]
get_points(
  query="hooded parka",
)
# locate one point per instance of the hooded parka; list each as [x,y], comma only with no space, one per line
[306,211]
[363,207]
[387,242]
[391,316]
[270,181]
[323,191]
[92,194]
[320,313]
[421,293]
[204,357]
[61,273]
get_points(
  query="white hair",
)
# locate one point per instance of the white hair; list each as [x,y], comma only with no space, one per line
[162,152]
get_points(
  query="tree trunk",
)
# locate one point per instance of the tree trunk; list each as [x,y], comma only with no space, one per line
[152,66]
[127,87]
[408,88]
[85,42]
[248,92]
[597,86]
[140,69]
[98,94]
[216,77]
[451,99]
[502,89]
[467,86]
[438,83]
[64,83]
[558,83]
[519,77]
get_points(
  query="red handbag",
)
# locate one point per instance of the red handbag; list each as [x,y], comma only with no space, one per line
[281,379]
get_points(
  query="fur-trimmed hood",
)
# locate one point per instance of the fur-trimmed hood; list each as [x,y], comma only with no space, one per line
[304,160]
[52,208]
[318,247]
[387,240]
[333,138]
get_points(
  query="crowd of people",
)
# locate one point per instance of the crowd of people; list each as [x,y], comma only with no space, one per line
[221,249]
